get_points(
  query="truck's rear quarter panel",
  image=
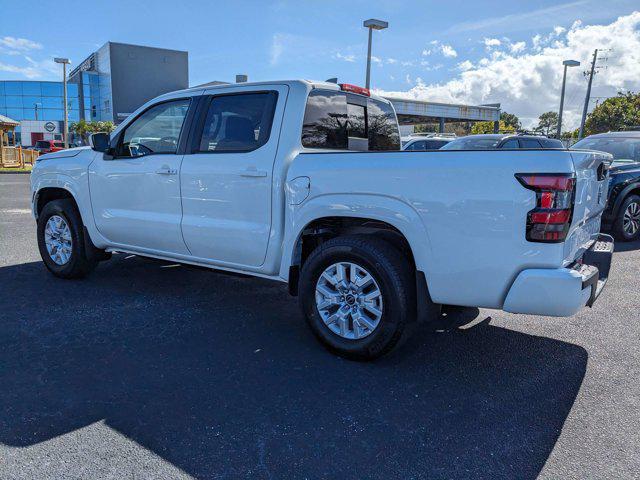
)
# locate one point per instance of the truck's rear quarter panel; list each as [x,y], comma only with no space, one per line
[470,209]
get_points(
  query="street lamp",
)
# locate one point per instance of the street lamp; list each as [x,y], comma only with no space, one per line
[372,24]
[64,62]
[566,63]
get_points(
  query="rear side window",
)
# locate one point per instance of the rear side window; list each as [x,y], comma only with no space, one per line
[383,126]
[551,143]
[415,146]
[529,143]
[340,121]
[435,144]
[325,120]
[238,123]
[511,143]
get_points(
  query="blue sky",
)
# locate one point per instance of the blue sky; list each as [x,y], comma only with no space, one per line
[270,40]
[427,43]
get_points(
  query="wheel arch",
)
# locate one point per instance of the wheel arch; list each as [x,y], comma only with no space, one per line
[49,187]
[631,189]
[335,215]
[47,194]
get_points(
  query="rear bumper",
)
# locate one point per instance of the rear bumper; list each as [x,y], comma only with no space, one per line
[562,292]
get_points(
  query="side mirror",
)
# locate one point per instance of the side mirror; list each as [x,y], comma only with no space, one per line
[99,141]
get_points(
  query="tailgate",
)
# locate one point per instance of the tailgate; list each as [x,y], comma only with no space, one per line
[592,179]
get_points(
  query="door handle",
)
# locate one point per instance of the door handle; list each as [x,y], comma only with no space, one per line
[166,171]
[252,172]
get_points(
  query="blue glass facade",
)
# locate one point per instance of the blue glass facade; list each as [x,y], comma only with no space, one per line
[96,96]
[32,100]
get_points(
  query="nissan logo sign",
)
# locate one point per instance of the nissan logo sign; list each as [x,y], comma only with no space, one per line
[49,126]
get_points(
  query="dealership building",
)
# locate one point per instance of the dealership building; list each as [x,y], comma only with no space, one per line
[107,86]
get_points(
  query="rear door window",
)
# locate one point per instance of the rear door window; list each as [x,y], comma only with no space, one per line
[511,143]
[551,143]
[529,143]
[417,146]
[238,122]
[435,144]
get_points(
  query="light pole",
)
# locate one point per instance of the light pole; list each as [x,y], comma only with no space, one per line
[64,62]
[566,63]
[372,24]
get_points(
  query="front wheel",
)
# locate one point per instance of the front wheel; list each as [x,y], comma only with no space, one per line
[626,227]
[358,295]
[61,240]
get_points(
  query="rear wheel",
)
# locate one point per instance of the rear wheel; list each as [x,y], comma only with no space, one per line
[626,227]
[61,240]
[358,295]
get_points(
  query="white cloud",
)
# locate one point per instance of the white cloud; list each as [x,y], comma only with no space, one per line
[28,72]
[540,18]
[376,60]
[528,83]
[448,51]
[464,66]
[12,44]
[391,61]
[518,47]
[437,47]
[346,57]
[492,42]
[34,68]
[277,47]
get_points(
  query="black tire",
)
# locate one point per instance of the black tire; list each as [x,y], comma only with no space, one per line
[396,281]
[618,230]
[80,262]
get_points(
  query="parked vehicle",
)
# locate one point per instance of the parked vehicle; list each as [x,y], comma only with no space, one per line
[49,146]
[417,143]
[259,178]
[506,141]
[622,215]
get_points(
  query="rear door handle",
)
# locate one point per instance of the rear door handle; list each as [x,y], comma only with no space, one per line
[252,172]
[166,171]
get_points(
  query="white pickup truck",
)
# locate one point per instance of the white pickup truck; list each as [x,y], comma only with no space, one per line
[304,182]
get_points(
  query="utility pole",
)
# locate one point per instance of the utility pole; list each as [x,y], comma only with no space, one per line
[588,96]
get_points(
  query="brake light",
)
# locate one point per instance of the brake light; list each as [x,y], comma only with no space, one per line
[551,219]
[347,87]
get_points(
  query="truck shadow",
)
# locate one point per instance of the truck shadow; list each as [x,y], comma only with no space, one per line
[221,377]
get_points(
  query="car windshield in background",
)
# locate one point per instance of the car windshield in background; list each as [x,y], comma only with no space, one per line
[620,147]
[42,144]
[471,143]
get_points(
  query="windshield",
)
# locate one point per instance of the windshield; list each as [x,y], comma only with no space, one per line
[42,144]
[472,143]
[620,147]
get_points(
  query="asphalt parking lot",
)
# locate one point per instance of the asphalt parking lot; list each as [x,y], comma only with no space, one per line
[149,370]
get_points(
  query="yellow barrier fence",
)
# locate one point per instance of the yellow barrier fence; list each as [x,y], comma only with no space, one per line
[17,157]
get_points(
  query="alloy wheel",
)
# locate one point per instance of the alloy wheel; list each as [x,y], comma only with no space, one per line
[57,238]
[631,219]
[349,300]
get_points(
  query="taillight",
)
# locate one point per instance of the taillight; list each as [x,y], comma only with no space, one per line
[551,219]
[347,87]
